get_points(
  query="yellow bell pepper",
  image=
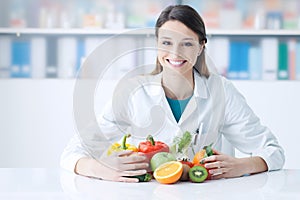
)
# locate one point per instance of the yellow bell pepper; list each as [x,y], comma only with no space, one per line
[115,147]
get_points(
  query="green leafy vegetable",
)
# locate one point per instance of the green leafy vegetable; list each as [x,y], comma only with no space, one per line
[209,150]
[183,142]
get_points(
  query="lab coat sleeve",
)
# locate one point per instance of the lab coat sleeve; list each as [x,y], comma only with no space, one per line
[96,138]
[245,131]
[72,153]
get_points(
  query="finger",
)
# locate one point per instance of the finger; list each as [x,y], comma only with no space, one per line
[217,164]
[141,154]
[132,159]
[133,153]
[128,180]
[134,166]
[133,172]
[217,176]
[213,158]
[123,153]
[209,159]
[216,171]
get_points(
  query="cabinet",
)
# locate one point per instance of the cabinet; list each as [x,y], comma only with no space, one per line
[36,97]
[259,40]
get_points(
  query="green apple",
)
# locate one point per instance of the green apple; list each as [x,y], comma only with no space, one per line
[161,158]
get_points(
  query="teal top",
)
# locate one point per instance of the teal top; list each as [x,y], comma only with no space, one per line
[178,106]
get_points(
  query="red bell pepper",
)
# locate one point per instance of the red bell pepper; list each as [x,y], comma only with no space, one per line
[151,147]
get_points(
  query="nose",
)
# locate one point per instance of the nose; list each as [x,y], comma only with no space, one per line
[176,50]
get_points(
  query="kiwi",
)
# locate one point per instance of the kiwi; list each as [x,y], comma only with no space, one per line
[198,174]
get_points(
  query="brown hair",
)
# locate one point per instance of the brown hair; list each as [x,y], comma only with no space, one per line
[190,17]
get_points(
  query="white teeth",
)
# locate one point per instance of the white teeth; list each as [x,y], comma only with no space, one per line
[176,62]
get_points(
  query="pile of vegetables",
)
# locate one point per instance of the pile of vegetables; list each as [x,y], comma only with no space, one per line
[158,153]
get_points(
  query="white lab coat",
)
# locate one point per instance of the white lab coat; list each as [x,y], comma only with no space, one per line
[139,107]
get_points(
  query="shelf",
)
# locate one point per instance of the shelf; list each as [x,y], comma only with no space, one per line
[76,31]
[141,31]
[244,32]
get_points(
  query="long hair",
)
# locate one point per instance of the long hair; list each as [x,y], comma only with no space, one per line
[189,17]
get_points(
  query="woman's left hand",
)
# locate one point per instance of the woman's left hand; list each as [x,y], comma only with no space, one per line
[221,165]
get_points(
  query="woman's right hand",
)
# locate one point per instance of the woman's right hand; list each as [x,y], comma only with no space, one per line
[116,167]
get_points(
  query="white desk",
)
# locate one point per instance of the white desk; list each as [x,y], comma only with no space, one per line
[40,184]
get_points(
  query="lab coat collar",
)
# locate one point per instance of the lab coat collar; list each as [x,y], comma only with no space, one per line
[200,89]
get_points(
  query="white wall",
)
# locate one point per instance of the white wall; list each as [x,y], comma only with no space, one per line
[277,105]
[36,121]
[36,118]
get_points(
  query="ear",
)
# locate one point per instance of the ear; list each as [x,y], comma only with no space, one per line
[199,53]
[200,49]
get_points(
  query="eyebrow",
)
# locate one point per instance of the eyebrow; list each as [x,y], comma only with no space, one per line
[165,37]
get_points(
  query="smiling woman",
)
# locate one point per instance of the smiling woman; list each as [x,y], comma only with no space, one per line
[207,101]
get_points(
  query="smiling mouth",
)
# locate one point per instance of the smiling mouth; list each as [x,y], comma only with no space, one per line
[176,63]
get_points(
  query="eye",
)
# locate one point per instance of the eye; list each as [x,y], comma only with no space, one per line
[187,44]
[167,43]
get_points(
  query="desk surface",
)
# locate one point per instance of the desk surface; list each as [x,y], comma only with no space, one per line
[58,184]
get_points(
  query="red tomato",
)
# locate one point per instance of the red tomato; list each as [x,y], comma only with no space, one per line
[187,162]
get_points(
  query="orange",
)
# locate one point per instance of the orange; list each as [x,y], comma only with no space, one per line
[169,172]
[199,156]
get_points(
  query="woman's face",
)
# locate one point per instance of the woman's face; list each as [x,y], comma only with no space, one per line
[178,46]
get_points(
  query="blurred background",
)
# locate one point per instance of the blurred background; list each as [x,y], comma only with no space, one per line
[44,44]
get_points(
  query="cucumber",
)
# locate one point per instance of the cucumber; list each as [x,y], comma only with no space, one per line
[142,178]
